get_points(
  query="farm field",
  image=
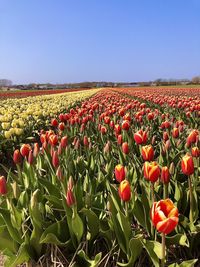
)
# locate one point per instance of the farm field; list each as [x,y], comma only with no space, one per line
[102,177]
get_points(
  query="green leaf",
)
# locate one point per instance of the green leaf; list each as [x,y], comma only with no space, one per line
[135,246]
[179,239]
[189,263]
[77,226]
[90,263]
[57,234]
[12,231]
[51,189]
[154,249]
[21,257]
[92,220]
[6,241]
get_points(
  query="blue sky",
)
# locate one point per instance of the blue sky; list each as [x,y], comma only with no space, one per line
[61,41]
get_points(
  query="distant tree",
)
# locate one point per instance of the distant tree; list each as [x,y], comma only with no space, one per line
[5,82]
[196,80]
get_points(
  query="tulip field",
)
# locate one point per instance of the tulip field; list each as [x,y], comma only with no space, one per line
[102,177]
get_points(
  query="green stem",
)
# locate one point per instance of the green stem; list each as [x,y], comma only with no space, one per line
[126,210]
[165,191]
[163,250]
[191,198]
[152,192]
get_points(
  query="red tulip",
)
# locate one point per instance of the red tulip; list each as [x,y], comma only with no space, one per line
[187,165]
[36,149]
[3,186]
[61,126]
[125,148]
[55,159]
[175,132]
[53,139]
[164,216]
[165,176]
[125,125]
[64,141]
[17,158]
[151,171]
[70,199]
[120,173]
[117,129]
[192,137]
[24,150]
[195,152]
[119,139]
[54,122]
[85,141]
[125,190]
[147,153]
[140,137]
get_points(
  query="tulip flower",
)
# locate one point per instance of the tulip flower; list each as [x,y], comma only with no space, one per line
[151,171]
[54,122]
[55,159]
[192,137]
[125,125]
[147,153]
[120,173]
[124,190]
[125,148]
[187,165]
[64,141]
[140,137]
[17,158]
[164,216]
[165,175]
[119,139]
[61,126]
[70,199]
[24,150]
[175,132]
[3,186]
[195,152]
[36,149]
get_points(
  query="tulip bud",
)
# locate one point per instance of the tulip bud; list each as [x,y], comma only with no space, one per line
[59,173]
[30,157]
[117,129]
[175,132]
[195,152]
[61,126]
[85,141]
[54,122]
[70,199]
[120,173]
[171,168]
[107,148]
[192,137]
[36,149]
[125,190]
[64,141]
[165,136]
[151,171]
[147,153]
[119,139]
[125,148]
[187,165]
[70,183]
[3,186]
[55,159]
[165,176]
[17,158]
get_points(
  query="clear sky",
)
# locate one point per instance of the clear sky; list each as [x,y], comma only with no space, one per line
[61,41]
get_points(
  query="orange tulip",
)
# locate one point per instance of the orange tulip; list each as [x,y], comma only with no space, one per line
[125,190]
[175,132]
[192,137]
[164,216]
[147,153]
[165,175]
[151,171]
[187,165]
[120,173]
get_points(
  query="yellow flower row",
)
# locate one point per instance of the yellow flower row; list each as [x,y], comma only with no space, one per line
[18,114]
